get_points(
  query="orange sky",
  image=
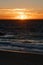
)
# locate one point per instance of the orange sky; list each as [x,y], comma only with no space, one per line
[24,13]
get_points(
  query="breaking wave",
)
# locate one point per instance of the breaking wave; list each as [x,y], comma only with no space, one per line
[8,42]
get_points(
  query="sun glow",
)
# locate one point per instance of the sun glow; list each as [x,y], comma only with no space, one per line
[21,15]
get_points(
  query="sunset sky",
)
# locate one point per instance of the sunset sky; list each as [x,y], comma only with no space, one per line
[33,9]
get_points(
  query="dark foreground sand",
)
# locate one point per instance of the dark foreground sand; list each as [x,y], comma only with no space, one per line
[10,58]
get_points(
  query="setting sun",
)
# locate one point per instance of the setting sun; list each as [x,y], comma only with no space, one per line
[21,15]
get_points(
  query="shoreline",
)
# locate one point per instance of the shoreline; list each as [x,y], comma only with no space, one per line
[20,59]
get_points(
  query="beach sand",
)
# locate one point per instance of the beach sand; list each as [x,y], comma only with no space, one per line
[15,58]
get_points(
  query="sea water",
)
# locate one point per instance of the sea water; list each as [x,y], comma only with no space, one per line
[26,37]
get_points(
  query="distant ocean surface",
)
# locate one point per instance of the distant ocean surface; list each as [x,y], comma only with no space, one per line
[24,36]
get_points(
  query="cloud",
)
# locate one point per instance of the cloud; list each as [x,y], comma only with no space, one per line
[12,13]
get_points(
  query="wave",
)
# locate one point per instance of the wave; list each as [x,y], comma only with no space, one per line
[19,45]
[11,42]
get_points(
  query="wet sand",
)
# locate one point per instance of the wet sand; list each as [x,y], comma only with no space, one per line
[10,58]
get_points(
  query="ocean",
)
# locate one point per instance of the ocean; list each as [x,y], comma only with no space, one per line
[21,42]
[23,36]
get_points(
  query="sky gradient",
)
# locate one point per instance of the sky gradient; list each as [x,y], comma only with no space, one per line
[30,4]
[34,7]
